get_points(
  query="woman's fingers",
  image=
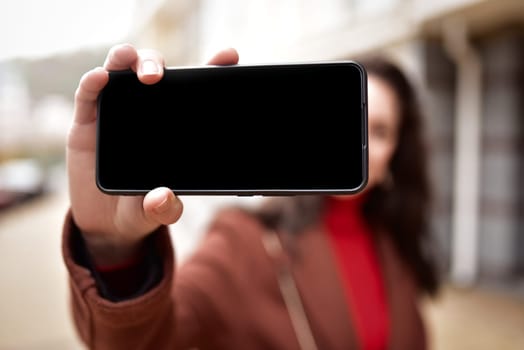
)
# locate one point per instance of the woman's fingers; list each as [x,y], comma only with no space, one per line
[86,94]
[149,66]
[120,57]
[162,206]
[147,63]
[224,57]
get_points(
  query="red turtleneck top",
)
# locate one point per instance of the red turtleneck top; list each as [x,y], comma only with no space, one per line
[360,271]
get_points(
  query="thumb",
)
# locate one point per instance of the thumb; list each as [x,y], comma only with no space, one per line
[162,206]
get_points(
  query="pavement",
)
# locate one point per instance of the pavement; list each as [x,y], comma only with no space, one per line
[34,313]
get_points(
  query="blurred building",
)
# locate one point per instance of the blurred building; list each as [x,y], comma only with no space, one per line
[14,110]
[467,56]
[30,126]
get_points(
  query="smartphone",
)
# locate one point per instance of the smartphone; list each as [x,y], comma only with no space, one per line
[263,129]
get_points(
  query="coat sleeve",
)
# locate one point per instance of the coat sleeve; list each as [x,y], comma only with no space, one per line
[144,322]
[208,303]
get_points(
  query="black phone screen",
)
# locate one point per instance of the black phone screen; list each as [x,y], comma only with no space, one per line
[292,128]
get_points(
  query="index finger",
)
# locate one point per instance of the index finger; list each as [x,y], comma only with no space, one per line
[121,57]
[86,94]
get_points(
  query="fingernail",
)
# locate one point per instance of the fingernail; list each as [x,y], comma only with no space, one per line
[163,205]
[149,67]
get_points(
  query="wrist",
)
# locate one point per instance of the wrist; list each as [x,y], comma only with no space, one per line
[111,251]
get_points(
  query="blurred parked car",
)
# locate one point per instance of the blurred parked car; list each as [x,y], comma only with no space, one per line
[20,180]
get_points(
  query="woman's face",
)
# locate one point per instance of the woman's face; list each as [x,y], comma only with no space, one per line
[383,125]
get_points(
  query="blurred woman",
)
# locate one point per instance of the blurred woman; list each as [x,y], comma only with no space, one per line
[301,272]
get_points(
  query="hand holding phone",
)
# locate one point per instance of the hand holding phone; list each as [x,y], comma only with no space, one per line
[113,226]
[267,129]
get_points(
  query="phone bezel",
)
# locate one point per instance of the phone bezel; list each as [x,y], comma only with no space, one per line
[255,191]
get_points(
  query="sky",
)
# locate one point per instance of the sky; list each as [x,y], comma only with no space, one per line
[37,28]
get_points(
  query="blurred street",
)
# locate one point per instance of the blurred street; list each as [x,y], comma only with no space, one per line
[33,295]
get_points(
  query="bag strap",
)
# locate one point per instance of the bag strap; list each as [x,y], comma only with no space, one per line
[290,293]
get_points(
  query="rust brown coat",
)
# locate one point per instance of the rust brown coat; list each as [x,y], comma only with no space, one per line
[226,296]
